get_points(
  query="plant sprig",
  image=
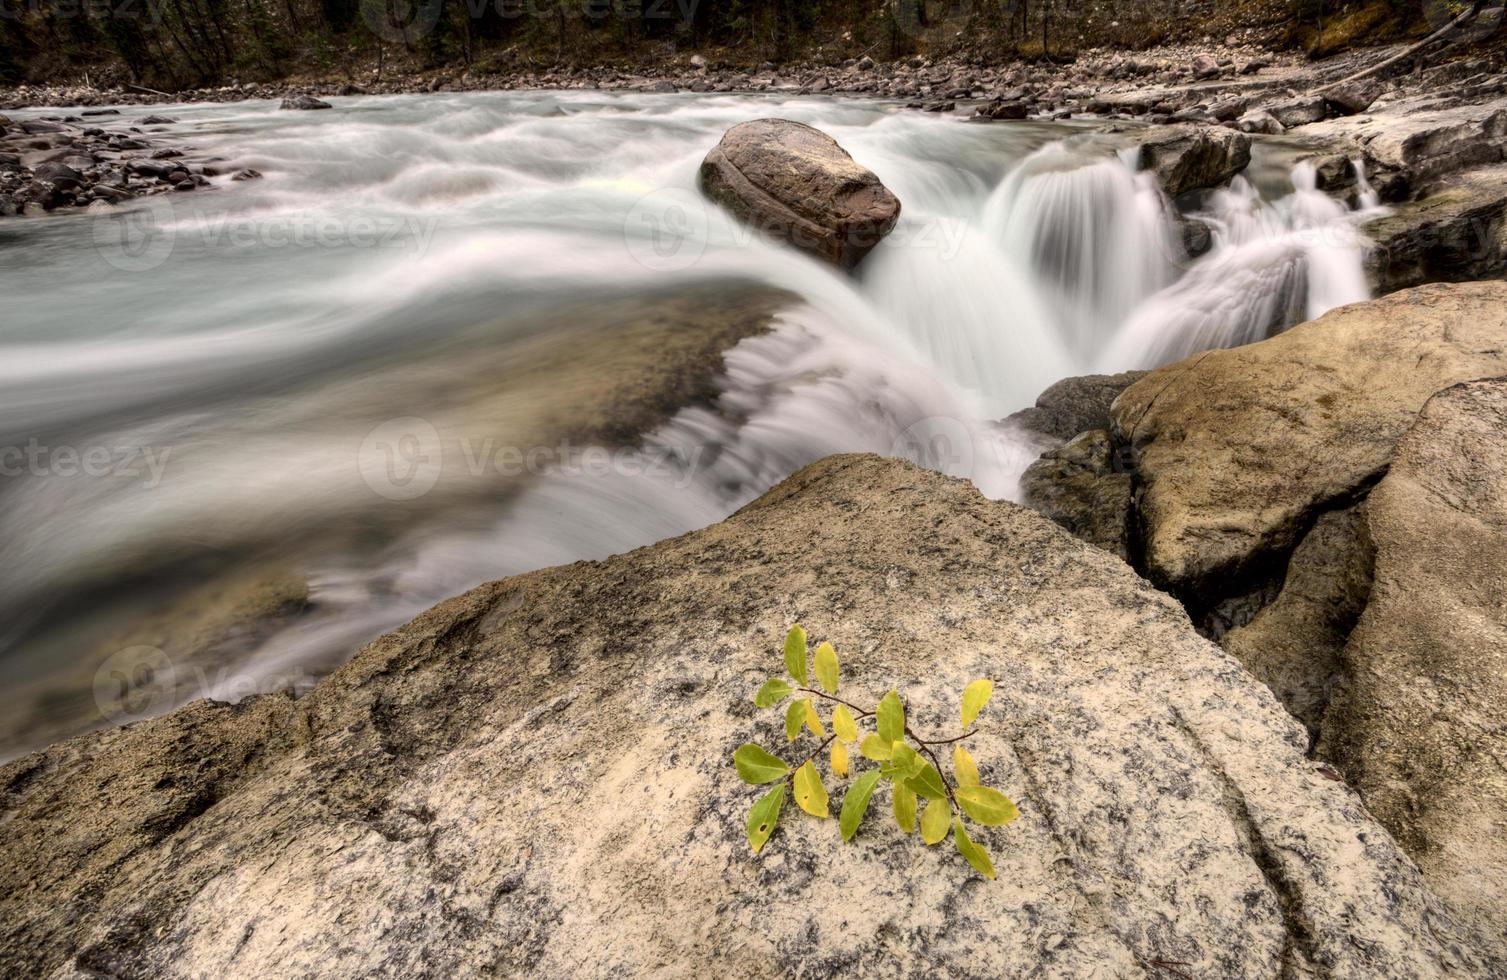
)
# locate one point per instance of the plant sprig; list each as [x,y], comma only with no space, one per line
[906,761]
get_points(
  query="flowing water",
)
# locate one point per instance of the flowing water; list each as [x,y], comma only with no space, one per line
[243,431]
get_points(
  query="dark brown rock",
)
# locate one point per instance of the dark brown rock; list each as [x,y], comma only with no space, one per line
[796,184]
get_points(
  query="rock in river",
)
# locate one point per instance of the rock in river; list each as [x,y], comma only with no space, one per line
[1188,158]
[535,778]
[796,184]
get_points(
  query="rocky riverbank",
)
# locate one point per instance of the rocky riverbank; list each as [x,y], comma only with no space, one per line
[1324,503]
[485,788]
[95,160]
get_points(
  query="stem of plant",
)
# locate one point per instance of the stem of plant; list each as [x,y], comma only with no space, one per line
[923,743]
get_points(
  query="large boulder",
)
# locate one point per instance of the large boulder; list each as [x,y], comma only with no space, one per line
[535,778]
[1236,451]
[796,184]
[1458,233]
[1420,727]
[1295,644]
[1188,158]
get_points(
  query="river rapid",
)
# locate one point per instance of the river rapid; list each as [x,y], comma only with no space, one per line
[245,430]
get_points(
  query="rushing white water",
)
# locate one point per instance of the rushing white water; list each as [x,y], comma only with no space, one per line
[249,365]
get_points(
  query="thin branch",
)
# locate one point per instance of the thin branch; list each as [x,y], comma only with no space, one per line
[945,741]
[832,697]
[1437,35]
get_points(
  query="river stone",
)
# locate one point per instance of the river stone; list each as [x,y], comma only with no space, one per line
[1188,158]
[796,184]
[535,778]
[305,102]
[1237,450]
[1075,405]
[1355,97]
[1421,726]
[1079,488]
[1300,111]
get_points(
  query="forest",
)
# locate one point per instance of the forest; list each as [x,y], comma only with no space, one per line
[186,43]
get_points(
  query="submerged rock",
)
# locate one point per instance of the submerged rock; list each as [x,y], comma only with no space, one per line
[304,102]
[1189,158]
[796,184]
[535,777]
[1420,727]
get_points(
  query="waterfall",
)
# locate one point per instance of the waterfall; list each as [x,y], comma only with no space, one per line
[1098,237]
[1271,265]
[418,244]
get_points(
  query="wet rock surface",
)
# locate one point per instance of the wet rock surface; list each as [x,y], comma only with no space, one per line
[482,789]
[66,164]
[795,184]
[1189,158]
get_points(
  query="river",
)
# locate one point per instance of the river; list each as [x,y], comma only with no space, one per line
[312,378]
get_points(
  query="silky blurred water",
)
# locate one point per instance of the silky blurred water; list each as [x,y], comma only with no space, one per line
[262,371]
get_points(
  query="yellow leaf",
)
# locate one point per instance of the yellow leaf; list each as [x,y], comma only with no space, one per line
[905,809]
[810,794]
[968,771]
[826,667]
[843,723]
[839,760]
[975,696]
[876,748]
[795,653]
[987,806]
[814,720]
[934,819]
[975,855]
[795,717]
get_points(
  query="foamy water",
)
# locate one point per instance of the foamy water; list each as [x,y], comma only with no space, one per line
[269,353]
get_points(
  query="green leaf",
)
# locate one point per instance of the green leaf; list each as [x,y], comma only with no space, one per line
[764,815]
[773,692]
[795,717]
[876,748]
[967,769]
[795,654]
[908,761]
[976,856]
[855,803]
[757,766]
[839,760]
[810,794]
[826,668]
[975,696]
[813,720]
[891,718]
[843,723]
[905,808]
[934,820]
[987,806]
[928,783]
